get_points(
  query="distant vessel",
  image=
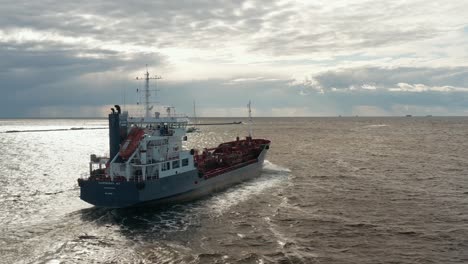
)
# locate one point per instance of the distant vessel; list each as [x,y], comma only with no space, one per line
[148,165]
[409,116]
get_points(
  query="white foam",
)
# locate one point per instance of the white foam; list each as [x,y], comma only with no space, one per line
[380,125]
[272,175]
[271,167]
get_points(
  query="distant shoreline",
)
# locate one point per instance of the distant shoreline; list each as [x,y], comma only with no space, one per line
[239,117]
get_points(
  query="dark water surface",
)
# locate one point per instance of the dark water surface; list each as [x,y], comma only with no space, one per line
[334,190]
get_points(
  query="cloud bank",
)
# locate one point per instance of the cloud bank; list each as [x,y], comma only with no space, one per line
[291,58]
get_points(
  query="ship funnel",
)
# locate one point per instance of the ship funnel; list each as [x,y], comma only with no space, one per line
[118,109]
[114,132]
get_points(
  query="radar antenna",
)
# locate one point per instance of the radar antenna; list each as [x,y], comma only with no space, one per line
[146,78]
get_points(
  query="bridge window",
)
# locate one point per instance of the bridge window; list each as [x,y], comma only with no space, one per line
[166,166]
[184,162]
[175,164]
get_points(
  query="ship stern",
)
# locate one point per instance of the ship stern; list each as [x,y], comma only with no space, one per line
[109,194]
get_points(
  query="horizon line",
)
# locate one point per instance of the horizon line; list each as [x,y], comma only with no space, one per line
[324,116]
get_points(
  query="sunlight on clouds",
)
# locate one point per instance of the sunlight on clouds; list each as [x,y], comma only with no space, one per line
[26,35]
[368,87]
[251,79]
[345,56]
[418,88]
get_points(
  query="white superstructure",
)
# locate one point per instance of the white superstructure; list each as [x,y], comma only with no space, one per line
[155,151]
[159,152]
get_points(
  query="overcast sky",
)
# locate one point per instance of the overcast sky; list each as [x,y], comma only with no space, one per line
[291,58]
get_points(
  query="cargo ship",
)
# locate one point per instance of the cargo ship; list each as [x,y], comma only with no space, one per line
[148,164]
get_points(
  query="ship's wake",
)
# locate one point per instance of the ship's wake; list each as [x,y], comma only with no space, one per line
[272,176]
[93,233]
[176,218]
[269,167]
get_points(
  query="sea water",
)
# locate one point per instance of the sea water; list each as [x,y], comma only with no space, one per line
[332,190]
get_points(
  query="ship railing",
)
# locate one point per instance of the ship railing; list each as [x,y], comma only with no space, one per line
[158,142]
[139,178]
[160,120]
[172,156]
[98,159]
[84,176]
[161,115]
[175,115]
[107,178]
[95,177]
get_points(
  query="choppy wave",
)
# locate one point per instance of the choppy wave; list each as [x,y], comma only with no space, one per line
[332,191]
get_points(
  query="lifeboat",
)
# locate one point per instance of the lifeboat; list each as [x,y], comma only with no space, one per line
[131,143]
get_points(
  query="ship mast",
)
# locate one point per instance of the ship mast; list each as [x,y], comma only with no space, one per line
[146,78]
[194,113]
[250,120]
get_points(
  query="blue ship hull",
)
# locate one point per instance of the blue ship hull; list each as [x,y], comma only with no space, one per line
[176,188]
